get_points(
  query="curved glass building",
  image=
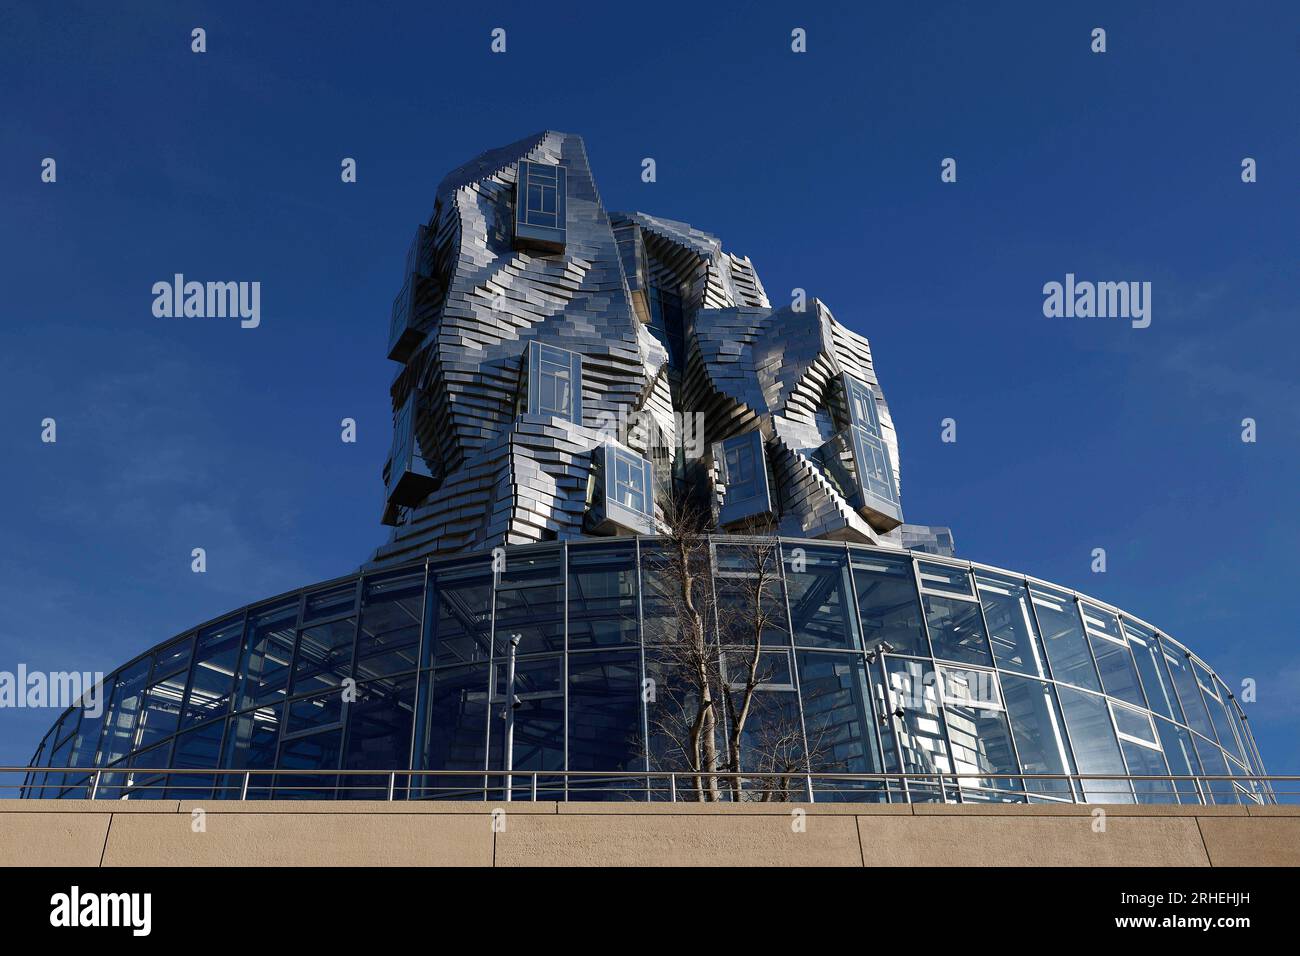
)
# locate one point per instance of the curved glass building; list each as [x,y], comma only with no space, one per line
[647,542]
[892,662]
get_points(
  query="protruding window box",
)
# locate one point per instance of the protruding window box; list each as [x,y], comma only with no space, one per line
[856,461]
[552,382]
[540,207]
[408,476]
[403,337]
[622,493]
[744,488]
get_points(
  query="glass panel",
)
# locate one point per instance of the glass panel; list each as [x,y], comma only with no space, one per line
[312,713]
[318,751]
[162,710]
[250,745]
[1189,693]
[1039,733]
[198,749]
[454,736]
[1216,700]
[605,731]
[602,596]
[324,656]
[268,652]
[86,743]
[1142,761]
[142,785]
[771,739]
[956,630]
[1119,676]
[627,483]
[1135,724]
[391,609]
[379,737]
[742,467]
[979,735]
[887,603]
[213,677]
[459,615]
[840,724]
[1096,750]
[175,656]
[920,730]
[1177,745]
[821,597]
[944,578]
[330,603]
[1155,681]
[1011,624]
[119,727]
[530,604]
[1212,762]
[1067,649]
[750,603]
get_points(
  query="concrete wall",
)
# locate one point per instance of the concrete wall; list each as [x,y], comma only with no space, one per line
[162,833]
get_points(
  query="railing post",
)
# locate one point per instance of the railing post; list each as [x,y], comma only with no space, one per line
[392,785]
[566,789]
[94,787]
[243,790]
[672,788]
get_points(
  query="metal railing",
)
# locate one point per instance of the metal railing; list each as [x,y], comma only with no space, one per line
[134,783]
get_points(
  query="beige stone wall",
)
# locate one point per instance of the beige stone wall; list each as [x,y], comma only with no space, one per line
[163,833]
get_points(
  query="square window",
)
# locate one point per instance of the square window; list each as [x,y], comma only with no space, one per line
[540,201]
[554,382]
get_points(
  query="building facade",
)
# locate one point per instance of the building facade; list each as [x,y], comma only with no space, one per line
[569,383]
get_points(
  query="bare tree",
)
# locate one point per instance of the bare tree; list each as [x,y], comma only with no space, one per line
[711,612]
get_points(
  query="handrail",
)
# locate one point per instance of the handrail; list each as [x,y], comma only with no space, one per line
[909,787]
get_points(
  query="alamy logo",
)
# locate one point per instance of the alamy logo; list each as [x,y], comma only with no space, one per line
[103,909]
[1102,300]
[61,689]
[209,300]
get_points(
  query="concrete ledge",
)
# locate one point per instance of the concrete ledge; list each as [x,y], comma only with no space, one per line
[447,833]
[1030,840]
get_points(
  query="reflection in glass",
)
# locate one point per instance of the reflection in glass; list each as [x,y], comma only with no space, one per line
[1011,624]
[379,737]
[268,651]
[1189,693]
[605,730]
[888,604]
[459,614]
[388,641]
[454,735]
[602,596]
[919,732]
[213,676]
[1067,649]
[1177,745]
[1096,750]
[821,597]
[1039,733]
[840,724]
[1155,679]
[1119,676]
[979,735]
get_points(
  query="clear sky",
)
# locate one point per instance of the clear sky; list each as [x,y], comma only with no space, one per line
[824,167]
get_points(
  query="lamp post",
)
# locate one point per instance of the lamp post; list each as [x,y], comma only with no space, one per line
[509,713]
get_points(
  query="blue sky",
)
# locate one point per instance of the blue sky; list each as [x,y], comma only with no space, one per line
[823,167]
